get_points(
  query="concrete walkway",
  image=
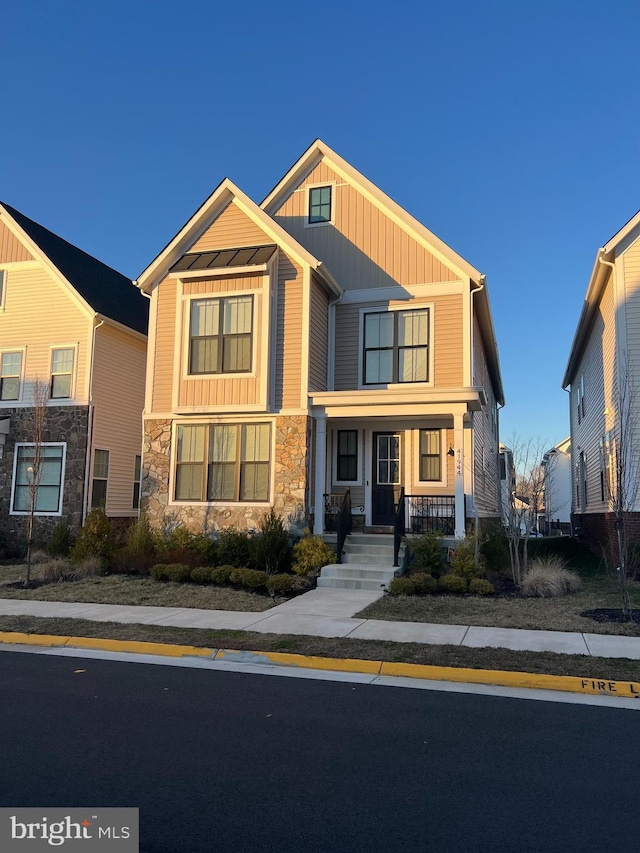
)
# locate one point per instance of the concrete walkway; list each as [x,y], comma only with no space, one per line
[325,612]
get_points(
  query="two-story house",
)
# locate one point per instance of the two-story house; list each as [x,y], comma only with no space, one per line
[72,331]
[321,341]
[603,379]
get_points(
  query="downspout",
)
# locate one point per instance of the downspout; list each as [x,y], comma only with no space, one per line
[87,463]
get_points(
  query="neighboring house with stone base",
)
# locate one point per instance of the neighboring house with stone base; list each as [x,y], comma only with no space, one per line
[320,343]
[602,372]
[76,328]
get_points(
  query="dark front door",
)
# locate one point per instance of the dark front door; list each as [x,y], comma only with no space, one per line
[386,476]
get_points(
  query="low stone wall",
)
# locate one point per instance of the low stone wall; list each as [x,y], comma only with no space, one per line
[68,424]
[290,473]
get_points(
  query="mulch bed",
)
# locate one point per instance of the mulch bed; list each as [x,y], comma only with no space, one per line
[611,614]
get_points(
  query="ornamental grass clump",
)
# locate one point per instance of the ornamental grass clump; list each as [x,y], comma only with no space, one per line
[548,577]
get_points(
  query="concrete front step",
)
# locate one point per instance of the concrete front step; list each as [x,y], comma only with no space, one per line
[352,547]
[366,572]
[357,583]
[383,560]
[378,539]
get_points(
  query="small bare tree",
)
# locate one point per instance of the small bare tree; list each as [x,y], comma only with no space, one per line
[622,467]
[36,421]
[525,500]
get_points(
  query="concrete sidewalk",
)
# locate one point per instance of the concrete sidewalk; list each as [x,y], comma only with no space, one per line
[326,612]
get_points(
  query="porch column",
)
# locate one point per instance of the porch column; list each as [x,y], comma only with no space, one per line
[321,464]
[458,440]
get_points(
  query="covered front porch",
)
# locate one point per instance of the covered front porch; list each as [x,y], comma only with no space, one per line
[416,461]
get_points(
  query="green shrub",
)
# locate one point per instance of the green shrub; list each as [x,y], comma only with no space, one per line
[424,583]
[452,583]
[139,552]
[233,547]
[270,549]
[177,572]
[60,541]
[281,584]
[403,586]
[481,586]
[547,577]
[426,551]
[252,579]
[220,575]
[95,538]
[201,574]
[181,546]
[463,562]
[494,548]
[310,554]
[205,547]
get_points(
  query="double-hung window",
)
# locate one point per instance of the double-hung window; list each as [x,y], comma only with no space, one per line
[137,475]
[100,478]
[347,456]
[220,335]
[223,462]
[38,476]
[396,347]
[430,455]
[319,205]
[61,373]
[10,373]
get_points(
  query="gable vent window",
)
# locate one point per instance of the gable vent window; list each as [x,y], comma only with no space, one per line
[319,205]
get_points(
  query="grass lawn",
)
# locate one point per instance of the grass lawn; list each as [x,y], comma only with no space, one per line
[133,590]
[549,614]
[501,659]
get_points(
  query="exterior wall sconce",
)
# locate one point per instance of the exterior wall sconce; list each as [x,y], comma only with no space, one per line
[451,452]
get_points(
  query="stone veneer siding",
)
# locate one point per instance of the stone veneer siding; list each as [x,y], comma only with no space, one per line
[290,472]
[68,424]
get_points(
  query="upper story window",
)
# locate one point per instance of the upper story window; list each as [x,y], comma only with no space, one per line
[61,373]
[220,335]
[580,399]
[10,374]
[396,347]
[319,205]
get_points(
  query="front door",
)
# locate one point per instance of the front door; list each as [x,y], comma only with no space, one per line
[386,477]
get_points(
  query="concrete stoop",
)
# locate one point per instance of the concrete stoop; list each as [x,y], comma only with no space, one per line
[367,563]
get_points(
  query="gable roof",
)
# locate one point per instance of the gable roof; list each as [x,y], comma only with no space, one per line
[192,230]
[318,151]
[106,291]
[597,283]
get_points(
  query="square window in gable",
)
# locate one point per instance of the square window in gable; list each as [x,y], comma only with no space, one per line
[319,205]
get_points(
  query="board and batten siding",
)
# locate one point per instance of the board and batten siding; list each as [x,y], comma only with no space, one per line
[11,249]
[447,340]
[318,337]
[231,229]
[363,247]
[597,367]
[164,346]
[118,397]
[41,313]
[289,334]
[239,390]
[631,259]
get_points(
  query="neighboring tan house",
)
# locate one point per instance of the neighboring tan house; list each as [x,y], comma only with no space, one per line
[77,329]
[604,363]
[555,518]
[320,342]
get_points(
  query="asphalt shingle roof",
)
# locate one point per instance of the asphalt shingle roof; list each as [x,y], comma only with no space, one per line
[108,292]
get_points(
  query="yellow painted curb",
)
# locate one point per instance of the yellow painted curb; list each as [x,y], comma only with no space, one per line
[369,667]
[499,678]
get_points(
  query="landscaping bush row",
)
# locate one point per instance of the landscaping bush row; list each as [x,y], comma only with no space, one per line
[250,579]
[421,583]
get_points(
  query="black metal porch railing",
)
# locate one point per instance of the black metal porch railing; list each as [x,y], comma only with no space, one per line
[344,524]
[431,514]
[398,527]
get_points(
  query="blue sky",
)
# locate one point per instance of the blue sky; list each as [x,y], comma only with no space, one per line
[511,130]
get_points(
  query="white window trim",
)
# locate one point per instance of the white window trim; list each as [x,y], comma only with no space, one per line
[74,372]
[334,457]
[307,193]
[23,351]
[61,444]
[173,467]
[186,334]
[379,309]
[415,439]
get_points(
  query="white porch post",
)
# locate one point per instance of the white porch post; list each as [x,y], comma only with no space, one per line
[458,440]
[321,464]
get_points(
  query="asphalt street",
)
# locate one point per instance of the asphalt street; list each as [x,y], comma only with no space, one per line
[223,761]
